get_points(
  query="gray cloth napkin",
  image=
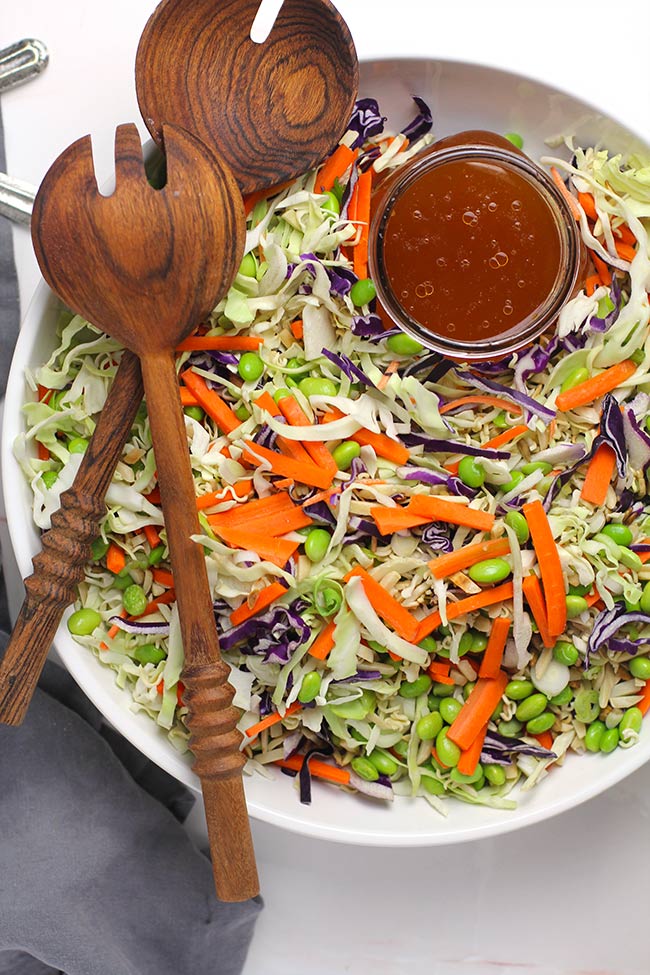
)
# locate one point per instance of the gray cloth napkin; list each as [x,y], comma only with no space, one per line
[97,874]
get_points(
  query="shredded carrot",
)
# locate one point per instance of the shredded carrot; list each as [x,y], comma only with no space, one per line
[241,489]
[335,168]
[211,402]
[389,520]
[569,197]
[488,597]
[297,328]
[549,564]
[383,446]
[115,559]
[604,273]
[270,549]
[591,389]
[452,512]
[43,452]
[187,397]
[477,709]
[594,597]
[470,756]
[43,393]
[163,578]
[493,656]
[266,402]
[293,449]
[263,599]
[587,203]
[545,738]
[272,719]
[296,417]
[152,536]
[114,630]
[627,252]
[324,642]
[322,496]
[309,474]
[463,558]
[502,404]
[152,607]
[272,516]
[532,590]
[600,474]
[440,673]
[154,496]
[506,436]
[591,284]
[220,343]
[252,199]
[386,606]
[319,769]
[360,253]
[644,703]
[624,234]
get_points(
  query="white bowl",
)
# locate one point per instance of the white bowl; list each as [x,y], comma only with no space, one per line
[461,96]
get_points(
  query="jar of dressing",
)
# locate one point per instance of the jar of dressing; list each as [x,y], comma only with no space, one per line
[473,249]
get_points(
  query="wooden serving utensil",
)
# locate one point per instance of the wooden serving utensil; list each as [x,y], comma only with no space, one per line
[271,110]
[147,266]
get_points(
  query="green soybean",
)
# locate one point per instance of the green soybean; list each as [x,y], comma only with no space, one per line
[281,393]
[574,378]
[639,667]
[148,654]
[331,203]
[501,420]
[49,478]
[517,690]
[383,762]
[479,641]
[531,707]
[515,139]
[309,687]
[358,709]
[248,266]
[250,367]
[593,735]
[586,705]
[496,714]
[83,622]
[462,778]
[468,688]
[433,786]
[495,774]
[345,453]
[631,721]
[644,602]
[442,690]
[465,643]
[489,571]
[449,708]
[429,726]
[316,544]
[620,534]
[536,465]
[401,748]
[403,345]
[629,559]
[156,555]
[609,740]
[365,769]
[516,477]
[241,412]
[419,686]
[194,412]
[575,605]
[565,653]
[123,580]
[447,751]
[98,549]
[78,445]
[509,729]
[314,386]
[362,292]
[516,521]
[471,472]
[541,723]
[134,600]
[433,702]
[565,695]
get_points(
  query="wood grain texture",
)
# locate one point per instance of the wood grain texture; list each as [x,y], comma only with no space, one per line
[274,109]
[66,546]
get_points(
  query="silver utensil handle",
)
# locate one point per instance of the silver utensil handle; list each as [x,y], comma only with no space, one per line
[21,61]
[16,199]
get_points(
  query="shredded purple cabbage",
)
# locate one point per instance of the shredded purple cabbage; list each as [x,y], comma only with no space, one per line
[347,366]
[366,121]
[367,326]
[437,365]
[597,324]
[534,360]
[139,627]
[276,634]
[450,481]
[529,405]
[637,441]
[436,536]
[608,622]
[265,437]
[612,432]
[421,124]
[436,445]
[341,280]
[499,750]
[359,676]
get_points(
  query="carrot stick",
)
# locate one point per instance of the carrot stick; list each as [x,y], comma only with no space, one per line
[491,662]
[627,252]
[240,489]
[163,578]
[549,565]
[273,516]
[604,273]
[597,386]
[271,719]
[43,452]
[266,402]
[360,252]
[440,673]
[591,284]
[275,550]
[309,474]
[600,474]
[335,168]
[152,607]
[115,559]
[263,599]
[470,756]
[252,199]
[114,630]
[437,509]
[187,397]
[644,703]
[502,404]
[296,417]
[506,436]
[532,590]
[587,203]
[488,597]
[152,536]
[383,446]
[386,606]
[389,520]
[211,402]
[154,496]
[545,739]
[297,329]
[569,197]
[477,710]
[321,770]
[462,558]
[624,234]
[293,449]
[324,642]
[220,343]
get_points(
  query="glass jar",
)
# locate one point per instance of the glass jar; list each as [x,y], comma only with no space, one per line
[473,249]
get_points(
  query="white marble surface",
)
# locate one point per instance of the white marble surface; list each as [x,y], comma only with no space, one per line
[568,897]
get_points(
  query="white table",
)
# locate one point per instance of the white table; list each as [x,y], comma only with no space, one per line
[569,896]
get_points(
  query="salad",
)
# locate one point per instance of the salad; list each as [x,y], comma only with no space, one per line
[430,579]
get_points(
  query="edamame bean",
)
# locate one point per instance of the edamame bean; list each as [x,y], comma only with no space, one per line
[429,726]
[49,478]
[83,622]
[434,702]
[629,559]
[241,412]
[609,740]
[315,386]
[515,139]
[509,729]
[403,345]
[531,707]
[631,721]
[640,667]
[537,465]
[429,644]
[574,378]
[516,521]
[565,653]
[461,778]
[516,477]
[364,768]
[593,735]
[401,748]
[644,602]
[250,367]
[420,685]
[449,708]
[98,549]
[148,654]
[468,688]
[471,472]
[331,203]
[309,687]
[517,690]
[123,580]
[562,698]
[586,706]
[345,453]
[541,723]
[194,412]
[134,600]
[496,714]
[382,761]
[442,690]
[78,445]
[479,641]
[495,774]
[281,393]
[433,786]
[575,605]
[447,751]
[248,266]
[500,421]
[357,709]
[620,534]
[465,643]
[156,555]
[489,571]
[362,292]
[316,544]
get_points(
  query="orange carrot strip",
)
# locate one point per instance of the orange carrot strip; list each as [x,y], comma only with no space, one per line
[322,496]
[297,328]
[440,673]
[273,516]
[152,607]
[389,520]
[43,393]
[152,536]
[532,590]
[470,756]
[383,446]
[211,402]
[293,449]
[600,474]
[335,168]
[154,496]
[43,452]
[625,235]
[549,565]
[491,662]
[502,404]
[437,509]
[266,402]
[587,203]
[324,642]
[644,703]
[275,550]
[477,709]
[272,719]
[252,199]
[321,770]
[220,343]
[115,558]
[597,386]
[296,417]
[463,558]
[627,252]
[187,397]
[360,252]
[241,489]
[545,738]
[163,578]
[488,597]
[506,436]
[263,599]
[591,284]
[569,197]
[309,474]
[114,630]
[386,606]
[604,273]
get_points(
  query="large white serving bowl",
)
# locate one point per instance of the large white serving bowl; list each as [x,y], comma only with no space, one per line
[462,96]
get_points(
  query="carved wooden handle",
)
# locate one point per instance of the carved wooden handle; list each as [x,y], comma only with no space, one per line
[66,546]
